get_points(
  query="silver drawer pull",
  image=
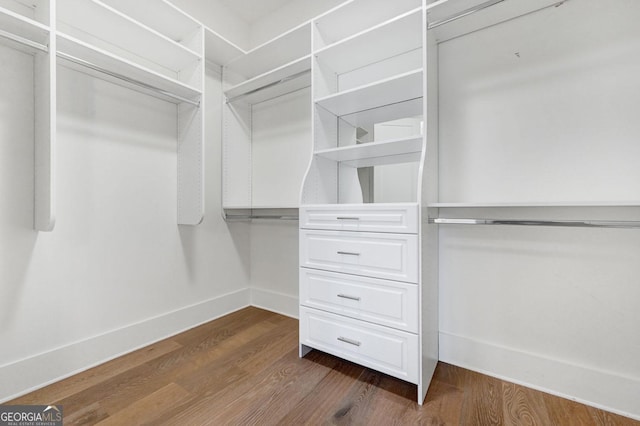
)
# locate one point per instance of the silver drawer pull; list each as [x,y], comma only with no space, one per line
[349,253]
[349,341]
[344,296]
[347,218]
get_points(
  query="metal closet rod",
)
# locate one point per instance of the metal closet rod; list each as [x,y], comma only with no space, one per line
[24,41]
[251,216]
[269,85]
[142,84]
[522,222]
[463,13]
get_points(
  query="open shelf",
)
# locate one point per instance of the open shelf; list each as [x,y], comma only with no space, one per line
[392,38]
[218,49]
[539,204]
[285,79]
[392,90]
[166,19]
[106,60]
[387,152]
[450,19]
[347,19]
[98,20]
[22,30]
[286,48]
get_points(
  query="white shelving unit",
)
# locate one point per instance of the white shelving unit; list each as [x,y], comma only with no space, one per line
[360,254]
[160,54]
[273,70]
[30,28]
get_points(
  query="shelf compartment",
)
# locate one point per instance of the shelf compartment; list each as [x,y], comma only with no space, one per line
[22,30]
[392,38]
[375,152]
[98,20]
[400,88]
[449,19]
[218,49]
[348,19]
[75,48]
[285,79]
[286,48]
[166,19]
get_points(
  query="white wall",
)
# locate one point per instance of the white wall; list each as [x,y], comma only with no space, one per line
[116,272]
[541,109]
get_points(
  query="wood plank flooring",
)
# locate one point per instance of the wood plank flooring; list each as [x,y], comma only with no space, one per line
[243,369]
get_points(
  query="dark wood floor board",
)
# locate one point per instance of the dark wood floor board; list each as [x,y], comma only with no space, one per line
[319,405]
[523,406]
[567,413]
[151,408]
[442,406]
[244,369]
[482,403]
[81,382]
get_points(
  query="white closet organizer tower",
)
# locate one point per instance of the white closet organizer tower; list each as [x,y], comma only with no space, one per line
[367,292]
[257,179]
[30,27]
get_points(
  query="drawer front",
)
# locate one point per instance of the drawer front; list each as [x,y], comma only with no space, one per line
[388,303]
[370,218]
[390,351]
[378,255]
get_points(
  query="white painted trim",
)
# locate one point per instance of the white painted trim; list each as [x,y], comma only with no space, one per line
[27,375]
[273,301]
[598,388]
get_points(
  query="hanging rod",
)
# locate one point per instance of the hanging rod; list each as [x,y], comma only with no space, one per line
[251,216]
[522,222]
[269,85]
[142,84]
[24,41]
[463,13]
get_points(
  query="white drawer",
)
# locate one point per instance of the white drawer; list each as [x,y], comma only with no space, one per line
[389,303]
[390,351]
[378,255]
[401,218]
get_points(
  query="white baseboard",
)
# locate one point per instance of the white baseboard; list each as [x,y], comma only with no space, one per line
[275,302]
[32,373]
[598,388]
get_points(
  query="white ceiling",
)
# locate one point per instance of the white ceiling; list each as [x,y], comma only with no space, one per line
[252,10]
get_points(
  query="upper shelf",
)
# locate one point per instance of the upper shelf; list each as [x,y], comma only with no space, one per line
[388,39]
[98,20]
[23,30]
[348,19]
[218,49]
[285,79]
[392,90]
[284,49]
[453,18]
[376,153]
[166,19]
[174,89]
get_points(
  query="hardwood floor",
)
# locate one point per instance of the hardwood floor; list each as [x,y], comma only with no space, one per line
[244,369]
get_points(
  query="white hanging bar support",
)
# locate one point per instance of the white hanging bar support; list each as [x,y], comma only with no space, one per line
[522,222]
[24,41]
[97,68]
